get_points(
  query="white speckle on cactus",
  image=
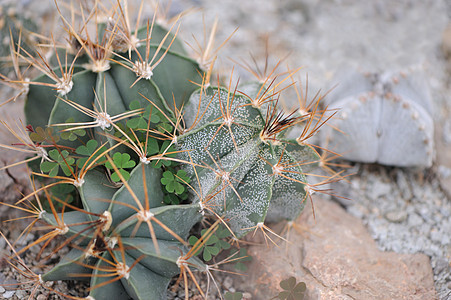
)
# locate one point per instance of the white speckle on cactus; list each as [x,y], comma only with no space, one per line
[277,169]
[111,242]
[98,66]
[90,252]
[134,41]
[62,231]
[202,208]
[144,160]
[103,120]
[123,270]
[145,216]
[26,85]
[181,262]
[142,69]
[225,176]
[41,152]
[78,182]
[107,220]
[309,190]
[64,86]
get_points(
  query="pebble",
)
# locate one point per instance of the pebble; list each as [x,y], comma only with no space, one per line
[8,294]
[396,216]
[228,282]
[414,220]
[21,294]
[378,189]
[2,289]
[403,185]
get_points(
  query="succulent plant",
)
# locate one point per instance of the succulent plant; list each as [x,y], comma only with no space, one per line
[125,237]
[387,118]
[121,123]
[245,170]
[96,120]
[96,82]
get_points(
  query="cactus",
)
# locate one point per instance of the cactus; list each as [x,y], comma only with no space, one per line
[387,118]
[103,79]
[136,240]
[119,129]
[97,116]
[246,171]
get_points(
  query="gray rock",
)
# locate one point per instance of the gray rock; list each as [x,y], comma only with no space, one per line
[414,220]
[8,294]
[396,216]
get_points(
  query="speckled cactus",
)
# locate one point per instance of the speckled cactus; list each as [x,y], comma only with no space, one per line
[249,172]
[122,123]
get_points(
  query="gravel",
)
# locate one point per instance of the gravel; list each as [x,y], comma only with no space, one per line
[419,223]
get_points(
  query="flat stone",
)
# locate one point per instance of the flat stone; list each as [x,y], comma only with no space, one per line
[337,259]
[396,216]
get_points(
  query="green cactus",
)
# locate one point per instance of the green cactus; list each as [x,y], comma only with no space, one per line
[106,106]
[102,81]
[133,154]
[249,173]
[130,237]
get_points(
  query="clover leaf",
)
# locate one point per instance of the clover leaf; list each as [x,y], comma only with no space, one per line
[241,256]
[291,290]
[213,245]
[89,150]
[171,199]
[171,184]
[233,296]
[40,135]
[121,161]
[60,160]
[141,121]
[71,135]
[152,146]
[169,151]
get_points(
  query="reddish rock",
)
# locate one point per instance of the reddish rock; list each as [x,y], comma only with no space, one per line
[337,259]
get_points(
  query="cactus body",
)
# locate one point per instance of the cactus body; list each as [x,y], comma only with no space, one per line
[246,177]
[152,269]
[386,118]
[125,240]
[112,89]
